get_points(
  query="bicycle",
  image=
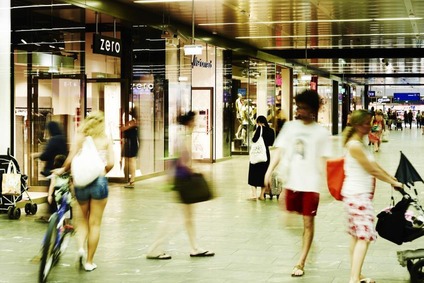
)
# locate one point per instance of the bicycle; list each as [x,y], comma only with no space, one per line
[55,240]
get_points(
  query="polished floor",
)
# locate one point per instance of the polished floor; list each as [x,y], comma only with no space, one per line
[253,240]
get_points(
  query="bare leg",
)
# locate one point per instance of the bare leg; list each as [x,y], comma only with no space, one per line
[253,192]
[131,165]
[166,228]
[308,236]
[262,196]
[359,250]
[189,224]
[94,222]
[82,223]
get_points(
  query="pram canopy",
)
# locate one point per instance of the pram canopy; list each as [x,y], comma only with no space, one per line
[393,224]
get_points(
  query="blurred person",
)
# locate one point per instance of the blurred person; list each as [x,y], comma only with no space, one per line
[410,118]
[60,184]
[56,145]
[92,199]
[302,147]
[183,169]
[131,145]
[358,190]
[257,171]
[377,128]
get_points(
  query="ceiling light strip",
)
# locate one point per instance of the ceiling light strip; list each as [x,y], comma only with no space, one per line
[343,46]
[158,1]
[49,29]
[328,35]
[315,21]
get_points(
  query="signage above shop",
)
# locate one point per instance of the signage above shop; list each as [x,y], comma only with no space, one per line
[106,45]
[199,63]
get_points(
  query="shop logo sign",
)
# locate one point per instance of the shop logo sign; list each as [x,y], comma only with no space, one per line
[199,63]
[106,45]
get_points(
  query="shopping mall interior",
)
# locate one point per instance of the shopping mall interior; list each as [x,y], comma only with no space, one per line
[229,61]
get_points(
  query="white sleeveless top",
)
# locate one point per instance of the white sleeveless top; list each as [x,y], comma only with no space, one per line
[357,180]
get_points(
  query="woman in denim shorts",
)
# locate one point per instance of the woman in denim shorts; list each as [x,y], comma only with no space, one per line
[92,198]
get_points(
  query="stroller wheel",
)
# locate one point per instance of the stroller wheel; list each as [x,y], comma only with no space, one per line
[10,212]
[417,272]
[28,208]
[34,208]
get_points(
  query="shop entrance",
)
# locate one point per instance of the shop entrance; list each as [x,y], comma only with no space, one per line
[105,95]
[202,138]
[55,98]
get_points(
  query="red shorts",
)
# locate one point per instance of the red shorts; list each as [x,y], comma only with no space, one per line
[305,203]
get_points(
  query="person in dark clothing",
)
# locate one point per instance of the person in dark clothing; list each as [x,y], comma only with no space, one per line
[257,171]
[131,145]
[410,118]
[56,145]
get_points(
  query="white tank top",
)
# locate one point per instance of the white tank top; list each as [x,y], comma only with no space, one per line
[357,180]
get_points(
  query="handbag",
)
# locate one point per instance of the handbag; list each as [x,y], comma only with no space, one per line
[87,164]
[11,180]
[193,189]
[335,177]
[257,152]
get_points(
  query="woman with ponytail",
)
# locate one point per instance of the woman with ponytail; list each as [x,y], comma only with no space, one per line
[361,170]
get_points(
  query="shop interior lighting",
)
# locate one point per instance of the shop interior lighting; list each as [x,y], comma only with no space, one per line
[192,49]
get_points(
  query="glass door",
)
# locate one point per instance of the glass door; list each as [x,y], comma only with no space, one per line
[106,96]
[55,98]
[202,137]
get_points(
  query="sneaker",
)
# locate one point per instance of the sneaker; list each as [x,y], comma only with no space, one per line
[90,266]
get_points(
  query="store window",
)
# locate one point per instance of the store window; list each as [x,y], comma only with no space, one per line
[253,89]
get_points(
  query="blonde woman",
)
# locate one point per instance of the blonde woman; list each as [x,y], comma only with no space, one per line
[92,198]
[358,190]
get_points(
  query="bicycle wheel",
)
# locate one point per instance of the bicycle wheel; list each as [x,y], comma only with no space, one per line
[48,259]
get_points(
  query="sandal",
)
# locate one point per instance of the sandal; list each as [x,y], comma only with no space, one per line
[203,254]
[367,280]
[297,271]
[160,256]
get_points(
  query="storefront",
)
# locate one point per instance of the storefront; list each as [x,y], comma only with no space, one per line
[69,68]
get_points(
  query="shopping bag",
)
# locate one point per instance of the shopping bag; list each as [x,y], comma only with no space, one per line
[11,180]
[257,151]
[335,177]
[193,189]
[87,164]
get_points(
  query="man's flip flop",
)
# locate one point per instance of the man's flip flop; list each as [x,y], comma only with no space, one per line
[297,271]
[161,256]
[203,254]
[366,280]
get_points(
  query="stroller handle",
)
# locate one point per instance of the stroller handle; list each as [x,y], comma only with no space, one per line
[402,191]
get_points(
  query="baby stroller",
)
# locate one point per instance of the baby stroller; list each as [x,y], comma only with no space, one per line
[404,222]
[8,201]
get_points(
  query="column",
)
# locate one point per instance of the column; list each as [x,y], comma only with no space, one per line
[6,105]
[287,93]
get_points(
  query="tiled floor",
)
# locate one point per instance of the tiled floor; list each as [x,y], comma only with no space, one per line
[253,240]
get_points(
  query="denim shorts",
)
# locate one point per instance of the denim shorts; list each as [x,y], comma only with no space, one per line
[96,190]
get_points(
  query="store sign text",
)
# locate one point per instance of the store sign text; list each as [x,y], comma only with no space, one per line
[144,86]
[106,45]
[199,63]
